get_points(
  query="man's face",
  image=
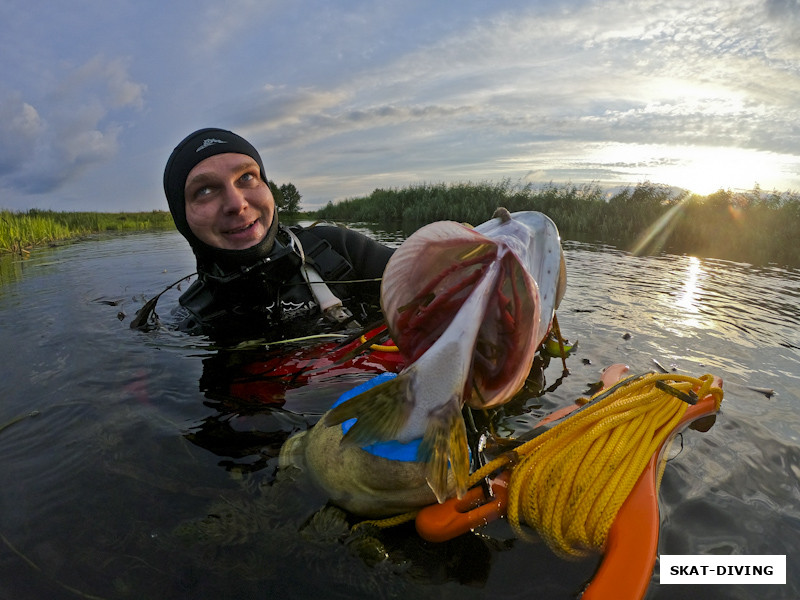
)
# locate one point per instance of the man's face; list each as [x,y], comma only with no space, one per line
[228,205]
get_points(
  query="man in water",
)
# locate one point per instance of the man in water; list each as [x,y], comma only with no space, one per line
[255,274]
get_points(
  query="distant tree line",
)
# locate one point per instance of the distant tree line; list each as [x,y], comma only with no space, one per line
[754,226]
[287,198]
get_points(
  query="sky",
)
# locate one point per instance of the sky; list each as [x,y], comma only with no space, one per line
[345,97]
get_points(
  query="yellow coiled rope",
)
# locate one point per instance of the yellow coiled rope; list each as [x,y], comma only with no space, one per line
[570,482]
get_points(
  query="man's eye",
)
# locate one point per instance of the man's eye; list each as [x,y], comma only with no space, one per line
[247,177]
[202,192]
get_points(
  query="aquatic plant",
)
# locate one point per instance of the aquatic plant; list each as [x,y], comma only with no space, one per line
[753,226]
[20,231]
[249,535]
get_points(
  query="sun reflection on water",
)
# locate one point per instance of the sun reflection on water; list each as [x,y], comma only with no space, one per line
[686,311]
[688,299]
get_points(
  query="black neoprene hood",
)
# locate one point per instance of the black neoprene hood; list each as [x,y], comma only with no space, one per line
[193,149]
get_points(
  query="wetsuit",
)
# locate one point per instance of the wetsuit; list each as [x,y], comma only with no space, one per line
[258,300]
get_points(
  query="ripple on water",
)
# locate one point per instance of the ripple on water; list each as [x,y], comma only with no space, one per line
[95,484]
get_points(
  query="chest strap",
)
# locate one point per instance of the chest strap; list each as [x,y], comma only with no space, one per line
[330,305]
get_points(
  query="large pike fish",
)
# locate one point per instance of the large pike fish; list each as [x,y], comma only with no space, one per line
[468,308]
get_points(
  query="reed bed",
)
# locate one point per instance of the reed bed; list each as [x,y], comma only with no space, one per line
[20,231]
[754,226]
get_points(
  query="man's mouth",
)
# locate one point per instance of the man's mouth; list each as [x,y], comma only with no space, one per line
[241,229]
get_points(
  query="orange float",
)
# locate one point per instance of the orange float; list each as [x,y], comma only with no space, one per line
[632,544]
[631,547]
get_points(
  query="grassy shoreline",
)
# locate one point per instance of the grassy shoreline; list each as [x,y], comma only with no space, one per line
[21,231]
[755,226]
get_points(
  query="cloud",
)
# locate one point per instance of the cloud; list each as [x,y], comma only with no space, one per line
[611,71]
[475,101]
[20,126]
[782,9]
[102,81]
[341,96]
[219,23]
[48,141]
[272,107]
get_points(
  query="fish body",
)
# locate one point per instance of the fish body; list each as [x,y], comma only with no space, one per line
[465,308]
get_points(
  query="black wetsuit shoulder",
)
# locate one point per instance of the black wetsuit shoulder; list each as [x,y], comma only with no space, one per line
[367,256]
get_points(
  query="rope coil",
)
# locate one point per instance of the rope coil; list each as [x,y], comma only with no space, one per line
[571,480]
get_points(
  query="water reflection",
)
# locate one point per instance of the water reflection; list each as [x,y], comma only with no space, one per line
[688,312]
[10,269]
[112,487]
[687,300]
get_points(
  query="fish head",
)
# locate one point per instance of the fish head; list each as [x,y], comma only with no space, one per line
[429,279]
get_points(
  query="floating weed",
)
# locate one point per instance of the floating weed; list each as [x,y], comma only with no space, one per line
[15,420]
[328,525]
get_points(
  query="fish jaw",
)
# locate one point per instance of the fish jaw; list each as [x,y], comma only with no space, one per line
[539,250]
[434,272]
[442,374]
[427,279]
[400,409]
[463,304]
[507,341]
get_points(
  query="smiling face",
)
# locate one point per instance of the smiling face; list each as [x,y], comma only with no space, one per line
[228,205]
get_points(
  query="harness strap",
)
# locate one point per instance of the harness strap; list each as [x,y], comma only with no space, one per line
[330,305]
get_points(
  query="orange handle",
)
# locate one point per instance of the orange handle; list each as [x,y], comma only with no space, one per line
[457,516]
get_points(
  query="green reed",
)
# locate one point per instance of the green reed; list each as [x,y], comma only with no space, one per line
[754,226]
[20,231]
[472,203]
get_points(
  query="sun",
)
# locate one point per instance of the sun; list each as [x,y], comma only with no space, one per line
[701,170]
[705,170]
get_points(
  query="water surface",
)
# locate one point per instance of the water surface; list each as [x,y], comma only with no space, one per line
[138,478]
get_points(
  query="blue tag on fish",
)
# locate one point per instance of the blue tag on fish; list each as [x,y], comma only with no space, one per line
[392,450]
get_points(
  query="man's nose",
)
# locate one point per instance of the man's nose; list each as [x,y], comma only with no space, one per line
[233,199]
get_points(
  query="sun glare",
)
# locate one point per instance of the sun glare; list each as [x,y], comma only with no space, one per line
[688,298]
[684,313]
[688,302]
[707,170]
[700,169]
